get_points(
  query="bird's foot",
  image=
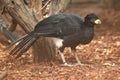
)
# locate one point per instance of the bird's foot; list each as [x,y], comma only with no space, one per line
[70,65]
[78,64]
[66,64]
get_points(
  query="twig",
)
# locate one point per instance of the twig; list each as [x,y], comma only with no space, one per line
[45,4]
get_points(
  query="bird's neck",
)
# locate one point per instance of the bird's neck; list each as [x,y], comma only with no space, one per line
[88,24]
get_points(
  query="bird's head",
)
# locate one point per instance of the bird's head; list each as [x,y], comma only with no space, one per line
[93,19]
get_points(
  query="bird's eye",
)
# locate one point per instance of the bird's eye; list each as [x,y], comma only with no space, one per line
[92,20]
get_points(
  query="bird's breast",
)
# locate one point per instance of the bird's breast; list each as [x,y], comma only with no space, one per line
[86,36]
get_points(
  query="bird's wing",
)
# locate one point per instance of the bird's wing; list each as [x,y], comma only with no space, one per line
[58,25]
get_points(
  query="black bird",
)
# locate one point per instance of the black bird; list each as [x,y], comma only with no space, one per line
[68,30]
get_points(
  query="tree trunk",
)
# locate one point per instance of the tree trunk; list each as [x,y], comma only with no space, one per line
[19,11]
[27,14]
[57,6]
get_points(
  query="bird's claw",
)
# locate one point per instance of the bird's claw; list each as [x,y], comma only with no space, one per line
[77,64]
[66,64]
[70,65]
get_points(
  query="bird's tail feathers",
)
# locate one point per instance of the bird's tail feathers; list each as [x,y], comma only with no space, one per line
[24,44]
[26,47]
[15,42]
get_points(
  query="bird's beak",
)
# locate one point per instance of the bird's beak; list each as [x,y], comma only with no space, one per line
[97,21]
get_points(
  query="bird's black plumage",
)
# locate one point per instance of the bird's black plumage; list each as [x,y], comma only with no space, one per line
[71,28]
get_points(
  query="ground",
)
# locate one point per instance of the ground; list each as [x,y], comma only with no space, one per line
[101,58]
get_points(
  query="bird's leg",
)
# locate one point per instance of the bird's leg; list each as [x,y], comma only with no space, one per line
[76,57]
[63,59]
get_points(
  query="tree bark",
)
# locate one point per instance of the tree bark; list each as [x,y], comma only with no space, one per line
[27,14]
[58,6]
[21,14]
